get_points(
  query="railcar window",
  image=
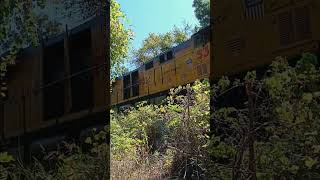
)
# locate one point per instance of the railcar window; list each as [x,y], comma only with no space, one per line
[149,65]
[135,83]
[126,81]
[169,55]
[162,58]
[53,70]
[126,87]
[80,59]
[135,77]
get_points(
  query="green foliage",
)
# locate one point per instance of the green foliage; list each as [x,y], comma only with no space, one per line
[202,11]
[285,119]
[19,27]
[180,124]
[5,158]
[156,44]
[120,37]
[71,163]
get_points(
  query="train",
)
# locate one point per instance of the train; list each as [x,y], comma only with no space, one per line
[60,87]
[243,35]
[248,34]
[180,65]
[56,90]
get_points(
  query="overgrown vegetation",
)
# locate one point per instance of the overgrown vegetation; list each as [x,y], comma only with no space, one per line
[68,162]
[271,133]
[274,134]
[161,140]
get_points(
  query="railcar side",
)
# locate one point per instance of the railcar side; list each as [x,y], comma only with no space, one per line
[59,85]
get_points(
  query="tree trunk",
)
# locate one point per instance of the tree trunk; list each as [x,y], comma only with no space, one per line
[252,165]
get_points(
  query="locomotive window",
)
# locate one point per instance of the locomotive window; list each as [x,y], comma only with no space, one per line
[80,59]
[162,58]
[149,65]
[53,70]
[206,36]
[169,55]
[198,41]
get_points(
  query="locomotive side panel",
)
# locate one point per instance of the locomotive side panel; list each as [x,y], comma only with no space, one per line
[264,30]
[149,80]
[203,69]
[98,33]
[196,57]
[158,79]
[294,29]
[229,47]
[13,108]
[184,65]
[168,74]
[114,93]
[142,86]
[315,15]
[18,108]
[34,113]
[120,90]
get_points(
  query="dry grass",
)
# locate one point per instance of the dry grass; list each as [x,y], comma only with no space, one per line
[149,168]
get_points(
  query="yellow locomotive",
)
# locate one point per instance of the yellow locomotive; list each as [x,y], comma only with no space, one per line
[180,65]
[251,33]
[244,35]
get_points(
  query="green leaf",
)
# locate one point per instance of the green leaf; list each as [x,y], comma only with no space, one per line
[309,162]
[307,97]
[316,148]
[5,157]
[88,140]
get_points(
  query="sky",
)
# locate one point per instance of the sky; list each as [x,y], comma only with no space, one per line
[156,16]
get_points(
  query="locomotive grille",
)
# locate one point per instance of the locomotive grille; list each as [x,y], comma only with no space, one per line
[235,45]
[254,9]
[285,28]
[302,23]
[294,25]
